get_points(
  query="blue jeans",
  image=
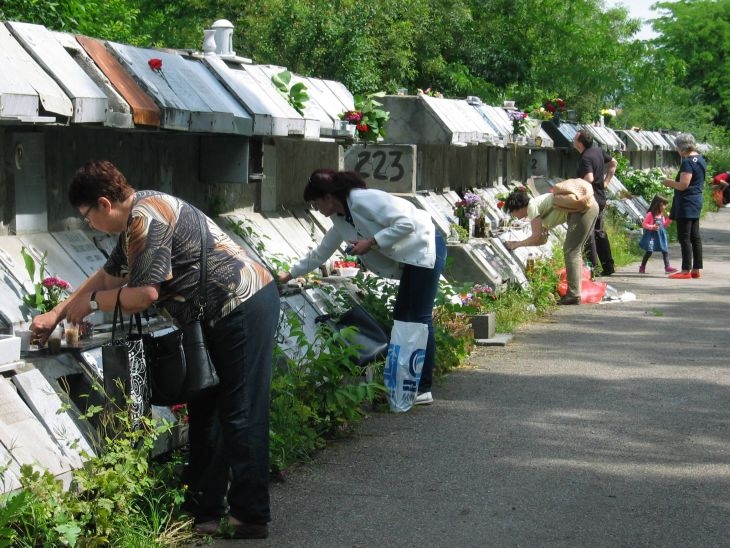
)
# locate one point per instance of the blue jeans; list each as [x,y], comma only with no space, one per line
[229,428]
[414,303]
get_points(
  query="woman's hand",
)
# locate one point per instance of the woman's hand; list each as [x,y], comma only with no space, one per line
[43,325]
[512,245]
[360,247]
[78,307]
[283,277]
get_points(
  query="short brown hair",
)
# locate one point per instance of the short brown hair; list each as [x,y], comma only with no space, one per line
[97,179]
[585,138]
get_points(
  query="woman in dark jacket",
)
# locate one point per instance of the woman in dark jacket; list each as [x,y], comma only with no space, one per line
[687,205]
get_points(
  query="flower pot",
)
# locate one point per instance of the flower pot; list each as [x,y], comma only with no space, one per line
[464,223]
[480,227]
[484,325]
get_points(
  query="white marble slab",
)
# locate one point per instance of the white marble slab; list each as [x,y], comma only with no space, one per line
[81,249]
[15,61]
[47,406]
[89,101]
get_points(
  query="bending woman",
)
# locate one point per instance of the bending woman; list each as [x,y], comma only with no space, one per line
[393,238]
[543,216]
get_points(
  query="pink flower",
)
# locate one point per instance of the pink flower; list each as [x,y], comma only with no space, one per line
[52,282]
[353,116]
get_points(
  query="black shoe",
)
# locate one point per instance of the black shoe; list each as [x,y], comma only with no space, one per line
[240,529]
[210,527]
[569,299]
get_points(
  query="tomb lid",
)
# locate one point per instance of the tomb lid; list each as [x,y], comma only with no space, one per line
[26,90]
[89,101]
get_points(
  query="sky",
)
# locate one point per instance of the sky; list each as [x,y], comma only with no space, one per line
[638,9]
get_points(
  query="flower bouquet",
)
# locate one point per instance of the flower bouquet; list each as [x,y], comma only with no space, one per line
[49,291]
[553,106]
[608,115]
[519,121]
[540,113]
[368,119]
[472,206]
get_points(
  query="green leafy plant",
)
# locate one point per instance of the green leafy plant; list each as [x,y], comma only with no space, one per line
[461,232]
[119,497]
[296,95]
[317,391]
[641,183]
[368,117]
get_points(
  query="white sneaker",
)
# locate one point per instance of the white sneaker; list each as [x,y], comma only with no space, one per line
[424,398]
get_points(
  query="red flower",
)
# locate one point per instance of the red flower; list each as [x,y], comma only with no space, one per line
[155,64]
[550,107]
[362,127]
[500,204]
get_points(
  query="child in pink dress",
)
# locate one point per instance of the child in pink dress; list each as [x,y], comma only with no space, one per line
[655,234]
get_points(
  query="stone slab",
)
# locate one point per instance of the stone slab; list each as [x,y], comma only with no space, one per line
[499,339]
[47,405]
[23,435]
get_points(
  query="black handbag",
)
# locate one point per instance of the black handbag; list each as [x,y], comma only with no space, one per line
[370,339]
[179,365]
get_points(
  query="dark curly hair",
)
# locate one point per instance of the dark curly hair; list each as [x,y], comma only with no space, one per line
[96,179]
[517,199]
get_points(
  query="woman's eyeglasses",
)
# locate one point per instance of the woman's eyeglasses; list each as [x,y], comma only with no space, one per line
[86,214]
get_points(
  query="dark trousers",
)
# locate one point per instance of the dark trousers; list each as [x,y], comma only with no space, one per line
[597,247]
[414,303]
[229,428]
[690,242]
[647,256]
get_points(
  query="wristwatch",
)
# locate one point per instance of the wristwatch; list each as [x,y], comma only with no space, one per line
[92,302]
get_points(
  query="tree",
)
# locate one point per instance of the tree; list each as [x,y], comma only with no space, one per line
[695,37]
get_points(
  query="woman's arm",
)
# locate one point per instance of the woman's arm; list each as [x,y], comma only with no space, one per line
[536,237]
[685,178]
[77,306]
[316,257]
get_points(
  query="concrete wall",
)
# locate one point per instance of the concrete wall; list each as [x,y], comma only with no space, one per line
[287,165]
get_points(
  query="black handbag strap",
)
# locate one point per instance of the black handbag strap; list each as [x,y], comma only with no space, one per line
[203,287]
[118,314]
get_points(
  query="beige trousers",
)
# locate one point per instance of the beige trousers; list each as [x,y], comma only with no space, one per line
[579,228]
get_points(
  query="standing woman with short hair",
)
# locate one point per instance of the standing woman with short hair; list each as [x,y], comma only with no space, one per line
[687,205]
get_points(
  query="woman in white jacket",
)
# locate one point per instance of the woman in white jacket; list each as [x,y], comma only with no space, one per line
[392,237]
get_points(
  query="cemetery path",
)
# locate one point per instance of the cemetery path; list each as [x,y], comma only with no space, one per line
[604,425]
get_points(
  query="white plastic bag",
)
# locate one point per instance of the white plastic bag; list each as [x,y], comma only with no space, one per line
[406,352]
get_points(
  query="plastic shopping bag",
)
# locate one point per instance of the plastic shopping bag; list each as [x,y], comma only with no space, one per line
[590,291]
[403,366]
